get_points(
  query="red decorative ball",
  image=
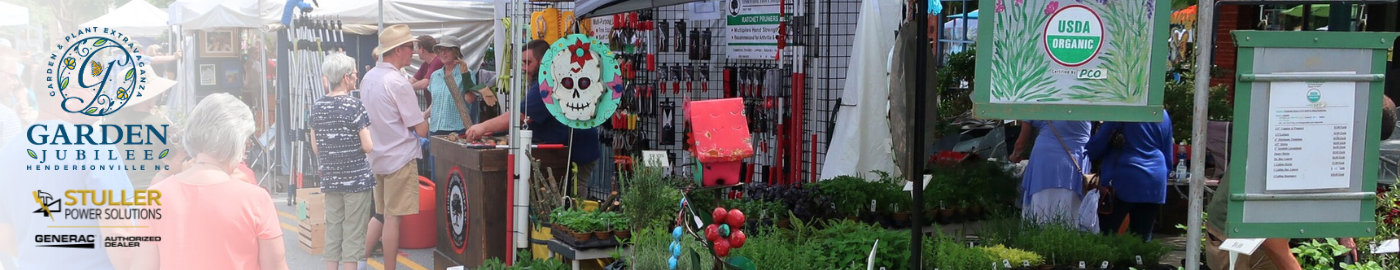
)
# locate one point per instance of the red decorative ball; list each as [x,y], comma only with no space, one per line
[737,239]
[720,215]
[735,219]
[712,232]
[722,248]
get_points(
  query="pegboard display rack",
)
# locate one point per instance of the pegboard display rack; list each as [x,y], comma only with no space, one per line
[819,44]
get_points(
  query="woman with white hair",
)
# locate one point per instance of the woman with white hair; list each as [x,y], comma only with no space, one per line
[209,220]
[340,138]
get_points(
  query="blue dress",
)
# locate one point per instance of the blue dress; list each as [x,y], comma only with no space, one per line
[1137,171]
[1049,166]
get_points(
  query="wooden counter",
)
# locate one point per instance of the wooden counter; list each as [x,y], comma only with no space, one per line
[472,186]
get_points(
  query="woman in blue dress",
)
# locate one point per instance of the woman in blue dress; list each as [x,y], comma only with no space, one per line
[1053,181]
[1135,166]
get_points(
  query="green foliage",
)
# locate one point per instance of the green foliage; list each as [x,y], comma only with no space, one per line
[771,248]
[1179,100]
[849,193]
[949,254]
[1314,255]
[845,243]
[649,199]
[1015,256]
[1051,242]
[524,263]
[1366,266]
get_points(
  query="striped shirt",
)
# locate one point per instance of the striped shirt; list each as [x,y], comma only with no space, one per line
[337,121]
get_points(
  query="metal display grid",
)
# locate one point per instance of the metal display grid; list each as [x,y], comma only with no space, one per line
[827,39]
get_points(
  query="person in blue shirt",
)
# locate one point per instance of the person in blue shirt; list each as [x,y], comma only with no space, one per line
[584,145]
[1135,166]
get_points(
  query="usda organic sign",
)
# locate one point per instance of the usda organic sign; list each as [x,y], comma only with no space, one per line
[1073,36]
[1072,60]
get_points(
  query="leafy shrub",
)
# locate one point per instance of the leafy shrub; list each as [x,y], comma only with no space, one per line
[1016,256]
[649,199]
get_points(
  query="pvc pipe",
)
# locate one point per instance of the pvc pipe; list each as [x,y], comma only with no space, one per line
[522,194]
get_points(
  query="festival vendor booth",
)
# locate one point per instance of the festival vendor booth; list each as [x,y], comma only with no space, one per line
[579,80]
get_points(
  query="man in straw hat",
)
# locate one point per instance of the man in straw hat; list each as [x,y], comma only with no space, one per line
[392,105]
[138,112]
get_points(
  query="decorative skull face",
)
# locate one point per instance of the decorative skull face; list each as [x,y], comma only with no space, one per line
[578,84]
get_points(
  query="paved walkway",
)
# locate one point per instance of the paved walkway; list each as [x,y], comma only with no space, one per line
[299,259]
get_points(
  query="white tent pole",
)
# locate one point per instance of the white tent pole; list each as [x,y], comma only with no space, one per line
[381,19]
[263,79]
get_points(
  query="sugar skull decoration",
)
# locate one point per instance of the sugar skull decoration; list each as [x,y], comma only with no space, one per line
[580,81]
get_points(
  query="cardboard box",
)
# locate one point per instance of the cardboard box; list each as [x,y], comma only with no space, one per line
[312,237]
[311,206]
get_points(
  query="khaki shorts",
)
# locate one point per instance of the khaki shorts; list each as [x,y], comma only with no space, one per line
[396,194]
[347,220]
[1217,258]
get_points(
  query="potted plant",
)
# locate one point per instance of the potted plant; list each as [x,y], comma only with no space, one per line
[618,223]
[573,223]
[594,222]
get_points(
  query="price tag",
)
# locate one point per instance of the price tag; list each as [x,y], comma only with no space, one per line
[656,159]
[698,223]
[1104,265]
[872,205]
[1081,265]
[1139,260]
[763,214]
[1244,246]
[1006,263]
[1025,263]
[459,267]
[1387,246]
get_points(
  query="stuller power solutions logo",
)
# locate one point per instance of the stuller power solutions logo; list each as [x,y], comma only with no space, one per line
[96,72]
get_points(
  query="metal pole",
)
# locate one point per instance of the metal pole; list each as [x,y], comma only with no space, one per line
[916,168]
[263,98]
[1205,42]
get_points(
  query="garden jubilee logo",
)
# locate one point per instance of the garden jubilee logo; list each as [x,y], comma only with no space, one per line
[86,81]
[96,71]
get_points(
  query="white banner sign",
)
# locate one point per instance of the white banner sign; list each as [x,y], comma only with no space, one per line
[752,29]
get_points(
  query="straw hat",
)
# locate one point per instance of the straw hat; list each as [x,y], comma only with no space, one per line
[393,36]
[155,85]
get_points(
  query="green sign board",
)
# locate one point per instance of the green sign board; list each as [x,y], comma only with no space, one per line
[1305,144]
[1072,60]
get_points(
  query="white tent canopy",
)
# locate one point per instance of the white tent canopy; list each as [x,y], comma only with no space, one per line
[137,18]
[11,14]
[212,14]
[469,21]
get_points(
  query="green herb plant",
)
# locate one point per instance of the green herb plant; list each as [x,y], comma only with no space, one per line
[1314,255]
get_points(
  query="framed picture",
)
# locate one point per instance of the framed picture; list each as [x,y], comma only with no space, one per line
[207,76]
[218,43]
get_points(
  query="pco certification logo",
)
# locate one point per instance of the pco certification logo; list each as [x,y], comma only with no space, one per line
[95,71]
